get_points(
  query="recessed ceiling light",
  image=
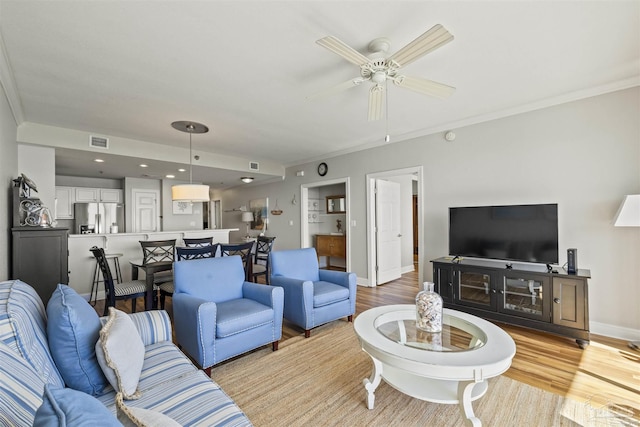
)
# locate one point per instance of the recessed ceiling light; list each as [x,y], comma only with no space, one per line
[246,179]
[182,170]
[144,166]
[98,160]
[171,176]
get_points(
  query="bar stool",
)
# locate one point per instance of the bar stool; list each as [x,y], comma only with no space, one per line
[96,275]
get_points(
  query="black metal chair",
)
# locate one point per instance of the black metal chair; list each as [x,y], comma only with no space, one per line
[132,290]
[264,246]
[185,253]
[242,249]
[198,243]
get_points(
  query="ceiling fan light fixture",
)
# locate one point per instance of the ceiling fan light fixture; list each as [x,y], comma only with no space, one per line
[190,192]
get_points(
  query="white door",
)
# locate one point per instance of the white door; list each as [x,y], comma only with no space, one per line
[388,235]
[145,211]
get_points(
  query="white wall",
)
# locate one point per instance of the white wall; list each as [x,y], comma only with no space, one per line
[8,171]
[583,155]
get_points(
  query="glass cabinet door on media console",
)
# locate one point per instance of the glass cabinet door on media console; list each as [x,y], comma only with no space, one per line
[473,287]
[443,281]
[526,295]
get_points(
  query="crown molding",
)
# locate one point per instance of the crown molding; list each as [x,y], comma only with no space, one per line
[8,84]
[525,108]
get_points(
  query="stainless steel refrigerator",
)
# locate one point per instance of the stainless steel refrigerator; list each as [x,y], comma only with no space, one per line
[99,218]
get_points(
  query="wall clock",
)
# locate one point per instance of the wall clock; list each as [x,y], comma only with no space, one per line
[322,169]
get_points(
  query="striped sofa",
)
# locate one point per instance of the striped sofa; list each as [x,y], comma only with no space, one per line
[169,382]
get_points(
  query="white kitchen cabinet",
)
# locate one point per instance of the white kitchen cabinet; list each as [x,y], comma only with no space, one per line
[88,195]
[110,195]
[65,198]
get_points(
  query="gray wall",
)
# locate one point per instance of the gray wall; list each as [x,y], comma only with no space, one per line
[8,171]
[583,155]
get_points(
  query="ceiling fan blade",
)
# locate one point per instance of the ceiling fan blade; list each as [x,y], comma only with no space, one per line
[434,38]
[376,102]
[340,48]
[425,87]
[324,93]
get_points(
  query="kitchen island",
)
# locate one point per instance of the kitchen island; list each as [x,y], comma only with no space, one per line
[82,264]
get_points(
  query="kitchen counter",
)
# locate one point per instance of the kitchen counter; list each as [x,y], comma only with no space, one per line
[82,263]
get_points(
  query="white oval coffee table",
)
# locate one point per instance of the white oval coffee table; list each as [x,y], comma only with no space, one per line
[448,367]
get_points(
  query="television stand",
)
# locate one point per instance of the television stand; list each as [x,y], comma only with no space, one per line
[528,295]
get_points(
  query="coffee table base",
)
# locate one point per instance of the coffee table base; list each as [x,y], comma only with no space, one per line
[432,390]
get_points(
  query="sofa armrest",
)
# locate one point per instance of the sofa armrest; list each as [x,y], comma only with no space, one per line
[195,324]
[153,326]
[298,298]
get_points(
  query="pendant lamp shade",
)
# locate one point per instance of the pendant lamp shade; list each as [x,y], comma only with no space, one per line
[190,192]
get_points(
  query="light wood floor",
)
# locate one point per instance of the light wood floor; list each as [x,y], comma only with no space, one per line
[607,372]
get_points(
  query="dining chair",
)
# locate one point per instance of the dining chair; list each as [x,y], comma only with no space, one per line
[261,263]
[242,249]
[197,242]
[159,251]
[167,289]
[117,291]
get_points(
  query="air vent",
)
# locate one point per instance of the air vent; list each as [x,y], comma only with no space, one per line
[254,166]
[98,142]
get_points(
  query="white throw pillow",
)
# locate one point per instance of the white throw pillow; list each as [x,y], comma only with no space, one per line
[120,353]
[139,417]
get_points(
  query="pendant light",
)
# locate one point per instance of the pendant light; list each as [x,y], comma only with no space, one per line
[190,192]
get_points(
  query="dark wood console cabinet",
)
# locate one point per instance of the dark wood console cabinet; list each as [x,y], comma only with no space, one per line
[40,258]
[524,294]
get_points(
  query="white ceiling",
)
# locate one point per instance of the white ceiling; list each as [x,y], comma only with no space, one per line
[244,68]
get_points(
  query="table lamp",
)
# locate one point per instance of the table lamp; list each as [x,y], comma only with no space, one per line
[247,217]
[629,216]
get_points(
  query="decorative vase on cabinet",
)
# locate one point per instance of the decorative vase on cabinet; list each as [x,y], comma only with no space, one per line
[429,309]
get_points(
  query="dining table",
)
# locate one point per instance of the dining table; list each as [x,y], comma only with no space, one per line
[149,270]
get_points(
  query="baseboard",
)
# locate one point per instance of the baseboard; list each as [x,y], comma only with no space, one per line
[88,296]
[614,331]
[362,281]
[407,269]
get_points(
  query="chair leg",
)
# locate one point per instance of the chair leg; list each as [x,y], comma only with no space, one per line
[207,371]
[133,304]
[274,345]
[307,333]
[162,300]
[106,307]
[350,318]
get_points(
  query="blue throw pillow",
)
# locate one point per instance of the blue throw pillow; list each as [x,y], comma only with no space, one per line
[68,407]
[73,328]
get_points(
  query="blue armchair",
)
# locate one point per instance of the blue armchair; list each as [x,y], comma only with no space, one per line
[218,315]
[312,297]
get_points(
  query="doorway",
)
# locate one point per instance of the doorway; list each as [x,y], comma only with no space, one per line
[411,183]
[314,218]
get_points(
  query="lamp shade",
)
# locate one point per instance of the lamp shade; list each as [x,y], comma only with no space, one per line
[247,216]
[629,212]
[190,193]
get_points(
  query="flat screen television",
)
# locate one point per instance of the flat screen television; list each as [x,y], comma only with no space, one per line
[527,233]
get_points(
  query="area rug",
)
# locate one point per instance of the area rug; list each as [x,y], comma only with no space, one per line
[318,382]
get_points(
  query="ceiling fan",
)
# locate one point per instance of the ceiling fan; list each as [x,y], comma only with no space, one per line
[380,70]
